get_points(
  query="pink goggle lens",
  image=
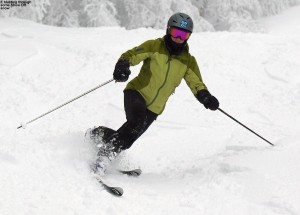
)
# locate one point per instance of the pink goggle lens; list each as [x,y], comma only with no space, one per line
[176,32]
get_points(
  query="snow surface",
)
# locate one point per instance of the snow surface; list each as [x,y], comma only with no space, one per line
[194,161]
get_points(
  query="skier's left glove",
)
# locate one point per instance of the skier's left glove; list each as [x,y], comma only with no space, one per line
[209,101]
[122,71]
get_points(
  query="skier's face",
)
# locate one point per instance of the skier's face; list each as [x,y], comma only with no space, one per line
[177,40]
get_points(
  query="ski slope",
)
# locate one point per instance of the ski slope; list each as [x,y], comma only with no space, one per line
[194,161]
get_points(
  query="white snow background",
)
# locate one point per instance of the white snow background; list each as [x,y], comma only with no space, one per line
[194,161]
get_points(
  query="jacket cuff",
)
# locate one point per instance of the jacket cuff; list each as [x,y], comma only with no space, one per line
[202,95]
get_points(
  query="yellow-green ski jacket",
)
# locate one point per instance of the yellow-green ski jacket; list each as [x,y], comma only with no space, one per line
[161,72]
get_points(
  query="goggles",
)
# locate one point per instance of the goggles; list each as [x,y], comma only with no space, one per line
[177,32]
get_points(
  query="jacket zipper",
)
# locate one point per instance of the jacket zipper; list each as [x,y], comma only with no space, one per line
[169,63]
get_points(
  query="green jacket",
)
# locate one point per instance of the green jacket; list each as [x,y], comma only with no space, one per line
[161,73]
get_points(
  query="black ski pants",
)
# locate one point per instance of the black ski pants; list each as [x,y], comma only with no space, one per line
[139,118]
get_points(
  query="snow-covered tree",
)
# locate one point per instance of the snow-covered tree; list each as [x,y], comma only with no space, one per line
[230,14]
[139,13]
[144,13]
[271,7]
[61,13]
[98,13]
[208,15]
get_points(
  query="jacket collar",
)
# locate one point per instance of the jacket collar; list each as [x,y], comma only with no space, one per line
[172,49]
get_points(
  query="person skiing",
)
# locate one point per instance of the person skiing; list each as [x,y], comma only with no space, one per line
[166,61]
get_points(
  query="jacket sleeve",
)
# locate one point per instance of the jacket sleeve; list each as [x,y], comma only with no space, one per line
[139,53]
[193,77]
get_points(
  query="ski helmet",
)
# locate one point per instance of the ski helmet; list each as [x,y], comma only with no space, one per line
[182,21]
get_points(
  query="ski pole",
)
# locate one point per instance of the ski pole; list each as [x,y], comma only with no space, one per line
[24,125]
[245,126]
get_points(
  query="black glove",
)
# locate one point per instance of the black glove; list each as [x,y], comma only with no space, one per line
[207,100]
[122,72]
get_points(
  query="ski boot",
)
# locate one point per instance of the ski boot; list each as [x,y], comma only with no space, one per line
[109,149]
[98,135]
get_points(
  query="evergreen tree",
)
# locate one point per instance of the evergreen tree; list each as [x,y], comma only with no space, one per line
[98,13]
[272,7]
[208,15]
[140,13]
[232,14]
[143,13]
[61,13]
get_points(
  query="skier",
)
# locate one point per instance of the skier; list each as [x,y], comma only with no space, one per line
[166,61]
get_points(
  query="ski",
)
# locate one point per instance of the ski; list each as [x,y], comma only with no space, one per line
[134,172]
[116,191]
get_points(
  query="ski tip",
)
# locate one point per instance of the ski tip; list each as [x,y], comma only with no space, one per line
[138,171]
[116,191]
[134,172]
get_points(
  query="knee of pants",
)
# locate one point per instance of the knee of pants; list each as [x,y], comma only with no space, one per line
[137,116]
[138,123]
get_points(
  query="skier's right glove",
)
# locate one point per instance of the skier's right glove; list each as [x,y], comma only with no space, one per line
[122,71]
[207,100]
